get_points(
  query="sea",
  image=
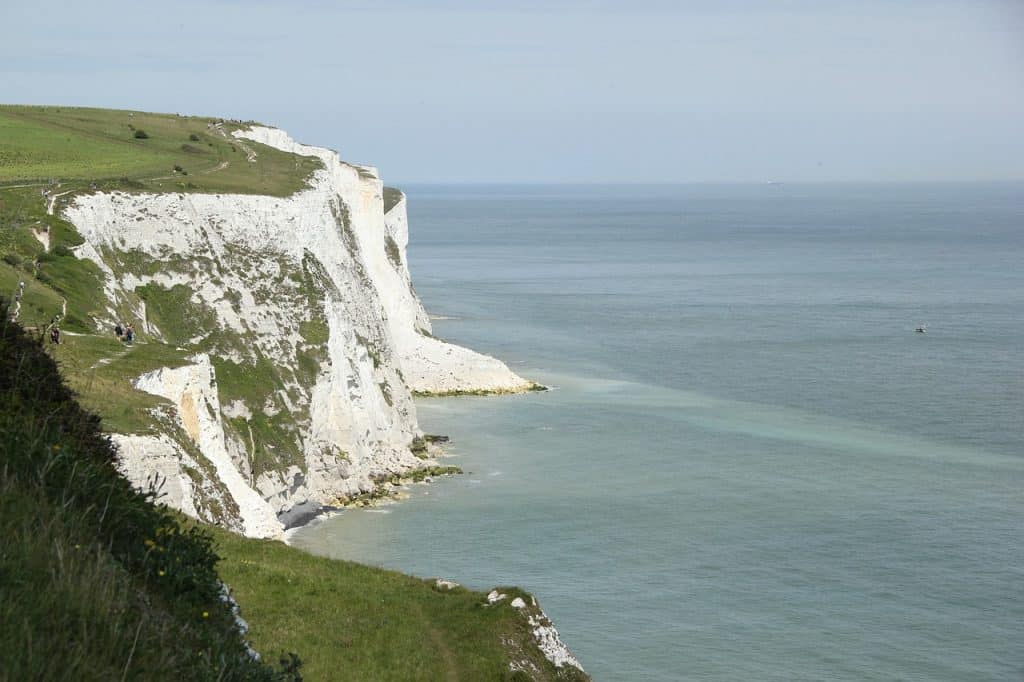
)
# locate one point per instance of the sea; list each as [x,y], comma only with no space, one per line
[749,466]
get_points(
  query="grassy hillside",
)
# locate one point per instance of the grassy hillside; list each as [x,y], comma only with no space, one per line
[96,583]
[357,622]
[138,150]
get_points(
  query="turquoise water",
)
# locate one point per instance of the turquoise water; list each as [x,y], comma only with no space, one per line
[751,467]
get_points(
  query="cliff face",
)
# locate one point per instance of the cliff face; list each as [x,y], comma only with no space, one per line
[301,340]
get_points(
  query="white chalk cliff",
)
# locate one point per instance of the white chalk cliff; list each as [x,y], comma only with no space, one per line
[302,340]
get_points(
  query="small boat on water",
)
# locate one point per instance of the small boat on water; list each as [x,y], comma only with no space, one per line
[921,329]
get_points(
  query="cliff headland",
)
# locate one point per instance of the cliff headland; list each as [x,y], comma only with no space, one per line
[238,310]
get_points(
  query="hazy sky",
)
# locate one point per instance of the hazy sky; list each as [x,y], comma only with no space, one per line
[562,90]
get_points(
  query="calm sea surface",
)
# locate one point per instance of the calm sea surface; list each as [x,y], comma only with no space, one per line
[751,468]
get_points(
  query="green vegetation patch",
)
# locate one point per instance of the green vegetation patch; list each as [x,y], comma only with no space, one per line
[271,435]
[276,440]
[393,252]
[39,303]
[356,622]
[101,370]
[76,281]
[80,146]
[250,383]
[391,198]
[478,392]
[418,447]
[174,312]
[23,221]
[315,332]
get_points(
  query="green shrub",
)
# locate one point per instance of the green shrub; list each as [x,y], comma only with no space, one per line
[193,137]
[141,134]
[418,446]
[391,248]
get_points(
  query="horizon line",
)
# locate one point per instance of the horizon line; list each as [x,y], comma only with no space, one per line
[682,183]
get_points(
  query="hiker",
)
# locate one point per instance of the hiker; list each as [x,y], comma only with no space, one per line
[118,331]
[55,334]
[129,334]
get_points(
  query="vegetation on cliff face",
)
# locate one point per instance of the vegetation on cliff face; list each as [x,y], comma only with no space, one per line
[391,198]
[64,151]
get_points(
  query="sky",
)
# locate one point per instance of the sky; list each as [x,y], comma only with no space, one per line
[641,91]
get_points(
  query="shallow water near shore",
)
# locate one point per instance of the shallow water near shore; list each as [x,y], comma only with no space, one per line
[750,466]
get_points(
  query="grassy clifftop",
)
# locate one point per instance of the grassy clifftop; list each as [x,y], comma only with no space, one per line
[141,151]
[50,154]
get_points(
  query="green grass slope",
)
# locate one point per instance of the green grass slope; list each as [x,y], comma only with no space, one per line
[178,153]
[96,582]
[356,622]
